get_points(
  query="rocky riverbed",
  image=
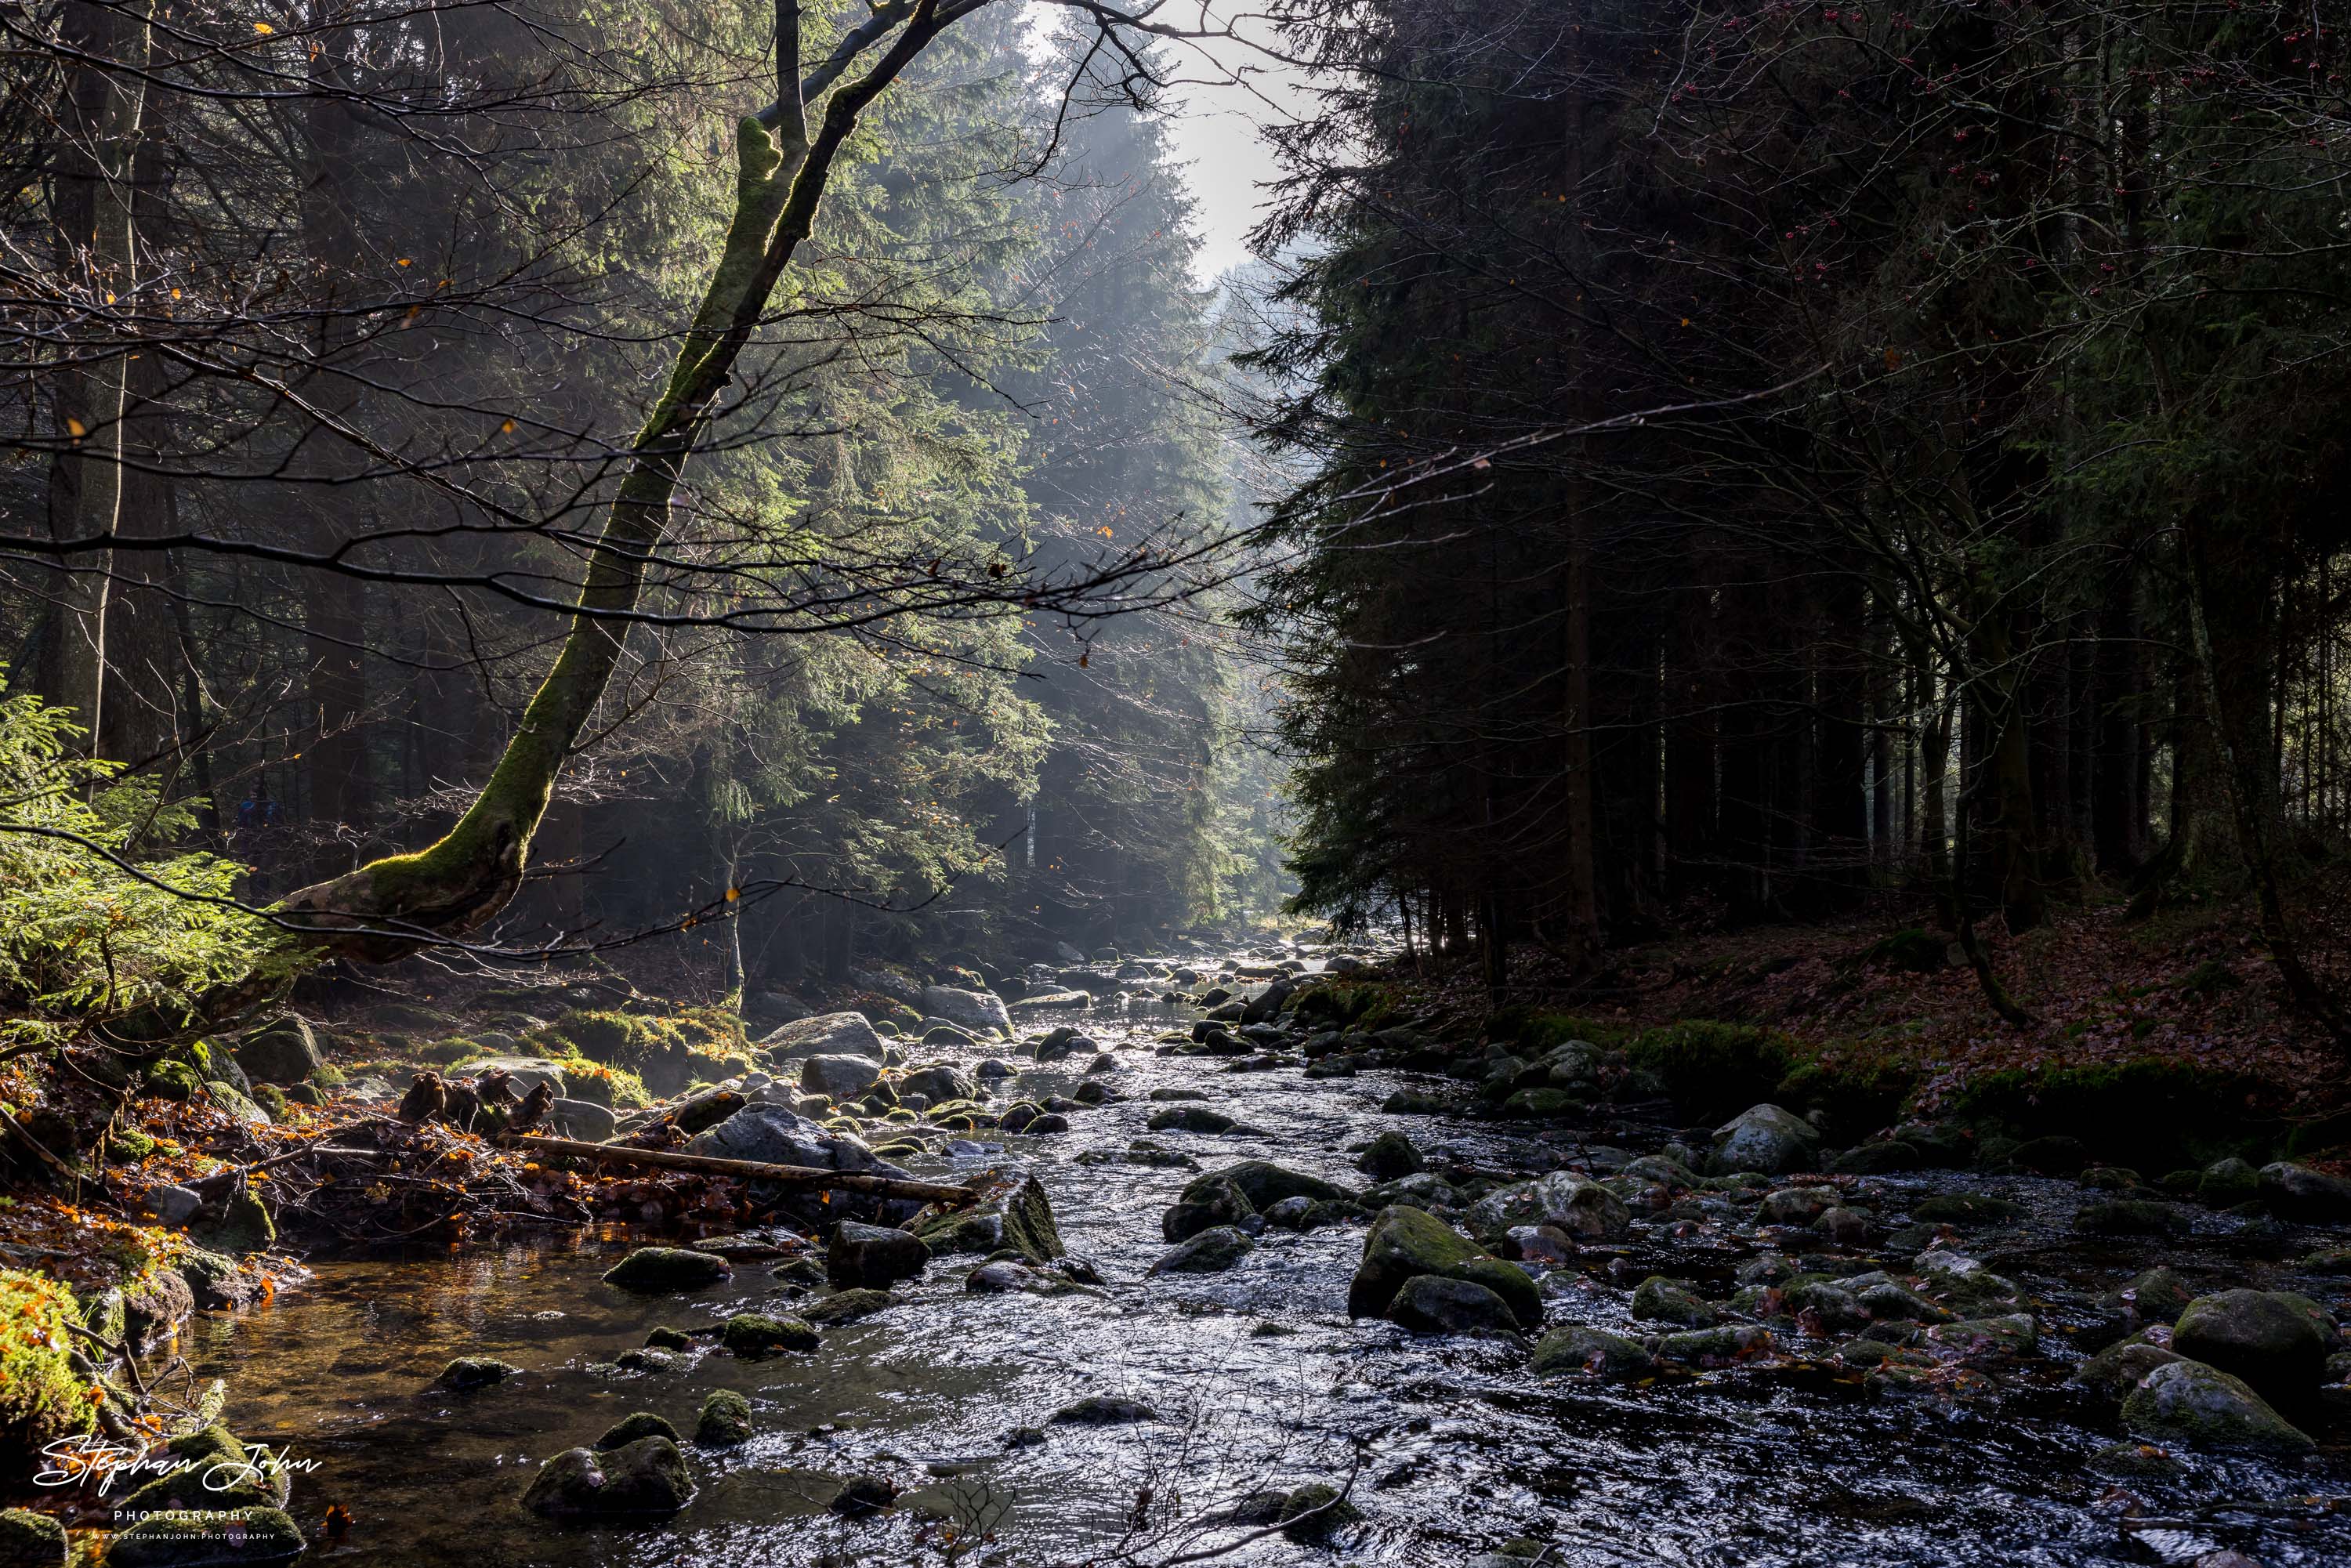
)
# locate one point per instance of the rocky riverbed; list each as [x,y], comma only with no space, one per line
[1286,1294]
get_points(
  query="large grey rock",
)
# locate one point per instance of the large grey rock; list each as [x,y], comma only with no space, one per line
[828,1034]
[2273,1340]
[285,1051]
[776,1136]
[1406,1242]
[1268,1002]
[1766,1139]
[2300,1193]
[873,1257]
[174,1204]
[1209,1202]
[840,1076]
[939,1084]
[1209,1251]
[646,1477]
[584,1120]
[972,1009]
[2200,1406]
[1575,1204]
[1429,1304]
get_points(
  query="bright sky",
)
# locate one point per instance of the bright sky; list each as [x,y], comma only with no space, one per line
[1226,161]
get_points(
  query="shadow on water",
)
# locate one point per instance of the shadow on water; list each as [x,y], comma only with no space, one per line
[1257,1377]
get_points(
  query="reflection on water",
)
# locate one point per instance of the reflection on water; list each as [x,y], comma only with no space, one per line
[1257,1378]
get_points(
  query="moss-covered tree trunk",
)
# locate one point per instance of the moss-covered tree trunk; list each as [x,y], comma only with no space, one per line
[385,908]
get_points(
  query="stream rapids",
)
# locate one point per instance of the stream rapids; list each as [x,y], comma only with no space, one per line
[1451,1445]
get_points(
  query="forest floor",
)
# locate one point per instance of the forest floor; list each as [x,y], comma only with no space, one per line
[2192,983]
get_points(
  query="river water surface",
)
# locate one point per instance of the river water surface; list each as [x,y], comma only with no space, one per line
[1257,1379]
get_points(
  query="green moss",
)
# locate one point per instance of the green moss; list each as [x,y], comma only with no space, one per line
[1855,1096]
[272,1099]
[1913,948]
[1534,1031]
[42,1398]
[129,1144]
[173,1081]
[456,1047]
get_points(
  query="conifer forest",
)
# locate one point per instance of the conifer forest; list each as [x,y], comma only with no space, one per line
[1123,783]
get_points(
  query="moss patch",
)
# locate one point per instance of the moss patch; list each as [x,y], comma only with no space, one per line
[42,1398]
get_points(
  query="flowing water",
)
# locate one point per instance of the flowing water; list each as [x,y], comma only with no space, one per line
[1258,1380]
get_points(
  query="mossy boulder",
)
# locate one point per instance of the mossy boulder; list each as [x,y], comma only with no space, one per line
[1660,1299]
[724,1420]
[172,1080]
[285,1051]
[2121,1366]
[668,1268]
[753,1334]
[1267,1183]
[1577,1349]
[2275,1340]
[469,1372]
[1190,1119]
[1405,1242]
[29,1540]
[198,1539]
[1767,1139]
[632,1427]
[2200,1406]
[245,1226]
[1210,1251]
[1430,1304]
[646,1479]
[847,1306]
[1391,1156]
[1211,1202]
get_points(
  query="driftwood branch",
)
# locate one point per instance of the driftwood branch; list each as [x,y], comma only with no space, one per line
[753,1170]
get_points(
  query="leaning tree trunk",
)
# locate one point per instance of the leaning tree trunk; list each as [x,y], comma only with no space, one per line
[386,909]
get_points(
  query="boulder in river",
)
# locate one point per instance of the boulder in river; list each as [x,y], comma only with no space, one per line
[873,1256]
[1405,1242]
[754,1334]
[839,1075]
[1579,1349]
[940,1084]
[2297,1192]
[1391,1156]
[2200,1406]
[2275,1340]
[645,1479]
[972,1009]
[1430,1304]
[1268,1184]
[1017,1217]
[632,1427]
[194,1539]
[1190,1119]
[2121,1366]
[1661,1300]
[1209,1251]
[725,1419]
[467,1372]
[847,1306]
[1766,1139]
[1577,1205]
[2156,1296]
[659,1269]
[1215,1199]
[1103,1410]
[828,1034]
[2224,1183]
[2129,1217]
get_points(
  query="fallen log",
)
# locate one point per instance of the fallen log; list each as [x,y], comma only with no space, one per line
[752,1170]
